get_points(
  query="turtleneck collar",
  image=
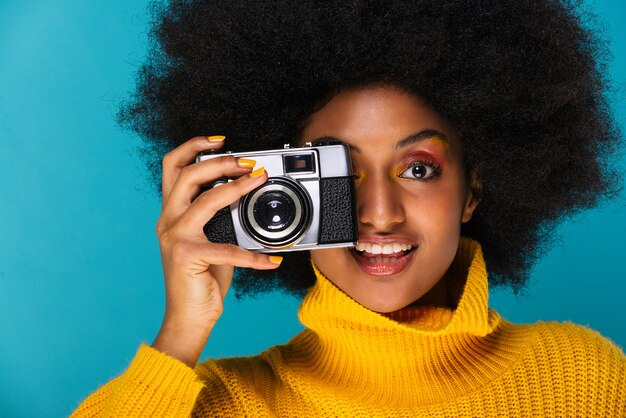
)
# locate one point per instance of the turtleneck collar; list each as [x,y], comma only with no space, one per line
[366,355]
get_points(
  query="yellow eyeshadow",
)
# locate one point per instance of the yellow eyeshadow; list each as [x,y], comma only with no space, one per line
[360,175]
[445,144]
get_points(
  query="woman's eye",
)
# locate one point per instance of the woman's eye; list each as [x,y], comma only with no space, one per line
[420,171]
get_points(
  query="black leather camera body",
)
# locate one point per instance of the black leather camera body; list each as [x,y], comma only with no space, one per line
[307,202]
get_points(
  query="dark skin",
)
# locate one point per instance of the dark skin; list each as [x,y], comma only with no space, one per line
[411,187]
[396,143]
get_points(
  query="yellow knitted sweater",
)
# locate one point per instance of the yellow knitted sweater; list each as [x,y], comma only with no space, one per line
[351,361]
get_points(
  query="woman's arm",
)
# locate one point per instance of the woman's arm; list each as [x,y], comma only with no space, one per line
[160,380]
[197,272]
[154,384]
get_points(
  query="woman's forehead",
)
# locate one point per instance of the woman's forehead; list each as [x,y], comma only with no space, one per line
[382,115]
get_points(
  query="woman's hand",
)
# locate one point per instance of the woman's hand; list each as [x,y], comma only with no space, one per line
[197,272]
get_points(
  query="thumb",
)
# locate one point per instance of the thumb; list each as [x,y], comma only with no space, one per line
[223,275]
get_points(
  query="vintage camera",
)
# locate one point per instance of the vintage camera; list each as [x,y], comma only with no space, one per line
[307,202]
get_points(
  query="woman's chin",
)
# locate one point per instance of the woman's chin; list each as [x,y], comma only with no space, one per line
[381,283]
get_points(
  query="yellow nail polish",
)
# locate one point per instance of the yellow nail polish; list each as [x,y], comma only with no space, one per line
[276,259]
[258,172]
[216,138]
[245,163]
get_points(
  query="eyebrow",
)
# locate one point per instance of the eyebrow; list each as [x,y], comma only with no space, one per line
[411,139]
[420,136]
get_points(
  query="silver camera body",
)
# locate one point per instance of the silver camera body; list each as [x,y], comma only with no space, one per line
[307,202]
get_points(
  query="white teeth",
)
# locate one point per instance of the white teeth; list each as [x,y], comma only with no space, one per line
[382,249]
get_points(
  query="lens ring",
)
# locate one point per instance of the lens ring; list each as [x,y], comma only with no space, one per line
[285,234]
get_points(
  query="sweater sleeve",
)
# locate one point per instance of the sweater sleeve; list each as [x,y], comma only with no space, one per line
[154,384]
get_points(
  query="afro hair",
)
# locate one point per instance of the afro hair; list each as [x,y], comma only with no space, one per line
[522,81]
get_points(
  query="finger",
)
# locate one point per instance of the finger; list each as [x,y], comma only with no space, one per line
[208,203]
[182,156]
[212,254]
[223,275]
[194,176]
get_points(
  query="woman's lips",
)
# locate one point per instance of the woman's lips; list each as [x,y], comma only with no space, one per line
[382,264]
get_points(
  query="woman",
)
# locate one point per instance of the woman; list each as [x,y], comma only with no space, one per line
[473,127]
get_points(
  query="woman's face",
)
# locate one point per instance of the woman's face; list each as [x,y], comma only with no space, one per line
[411,190]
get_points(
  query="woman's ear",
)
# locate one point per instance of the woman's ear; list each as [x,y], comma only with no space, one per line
[474,194]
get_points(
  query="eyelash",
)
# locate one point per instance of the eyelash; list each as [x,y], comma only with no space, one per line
[432,165]
[436,170]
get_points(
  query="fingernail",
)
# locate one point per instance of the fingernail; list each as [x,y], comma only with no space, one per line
[245,163]
[258,172]
[216,138]
[276,259]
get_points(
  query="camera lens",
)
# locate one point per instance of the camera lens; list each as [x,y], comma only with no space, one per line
[277,213]
[274,211]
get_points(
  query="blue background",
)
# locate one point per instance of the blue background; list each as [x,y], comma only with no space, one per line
[80,274]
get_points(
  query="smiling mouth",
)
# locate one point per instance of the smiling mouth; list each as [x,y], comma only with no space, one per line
[375,257]
[373,262]
[383,253]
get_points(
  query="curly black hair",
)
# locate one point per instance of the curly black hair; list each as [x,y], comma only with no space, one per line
[522,81]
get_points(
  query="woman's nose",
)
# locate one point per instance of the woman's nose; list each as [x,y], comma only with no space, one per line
[378,203]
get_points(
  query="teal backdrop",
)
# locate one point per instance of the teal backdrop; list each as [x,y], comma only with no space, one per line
[80,275]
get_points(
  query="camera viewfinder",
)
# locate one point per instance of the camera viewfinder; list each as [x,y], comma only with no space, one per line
[303,163]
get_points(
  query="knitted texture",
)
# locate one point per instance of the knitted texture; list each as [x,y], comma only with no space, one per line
[351,361]
[428,318]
